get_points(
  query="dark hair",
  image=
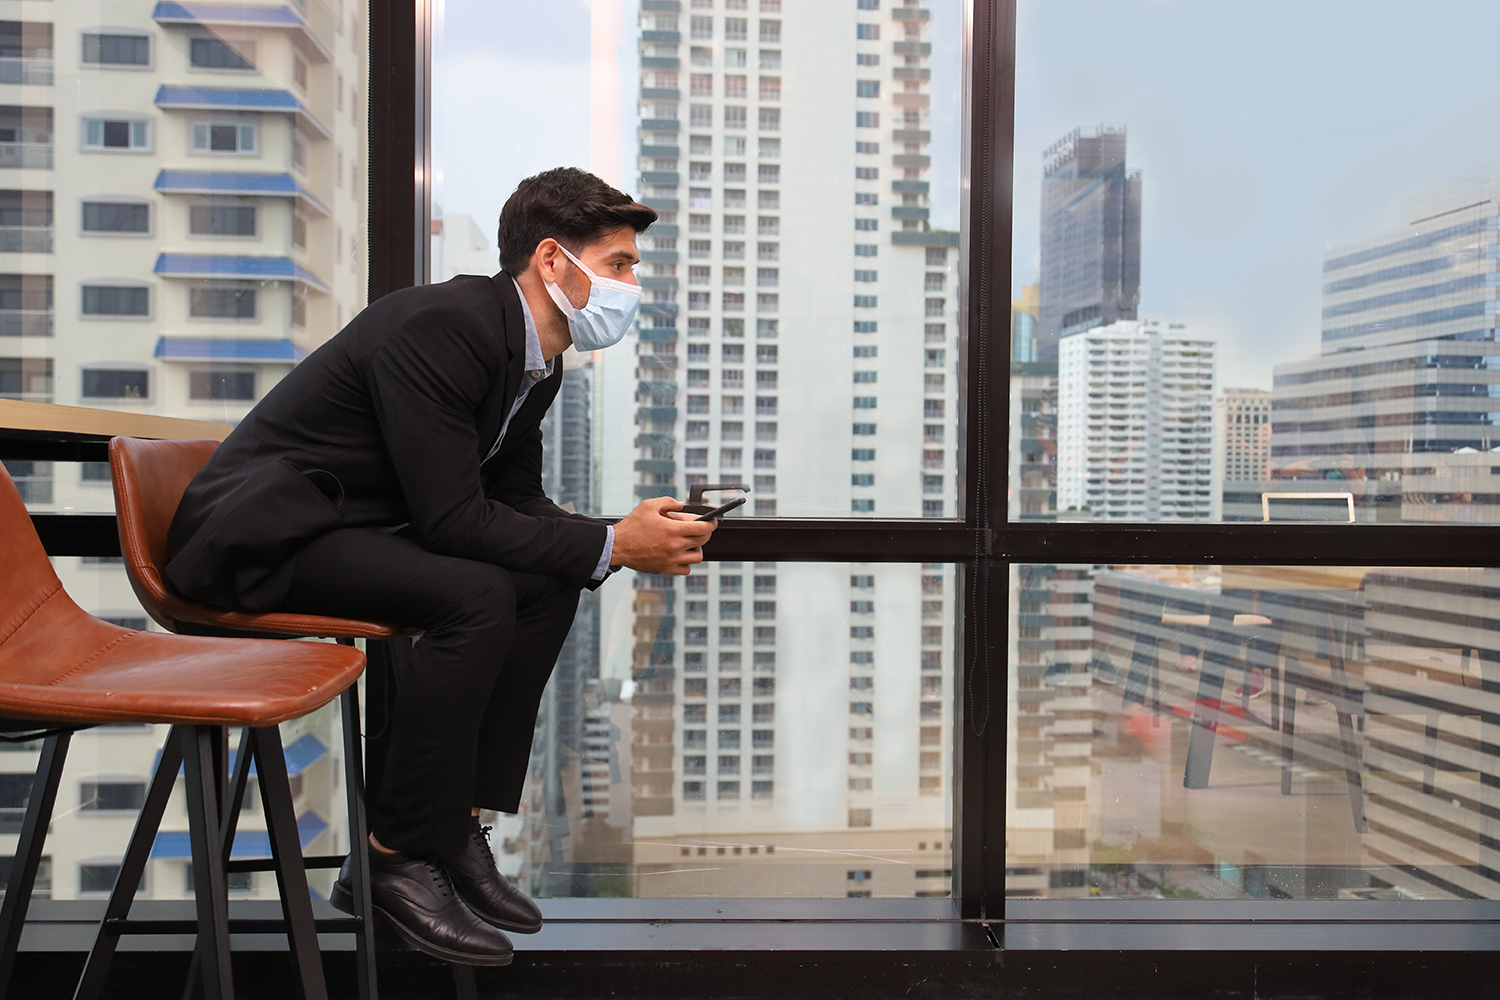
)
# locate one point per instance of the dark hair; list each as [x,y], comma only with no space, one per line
[569,205]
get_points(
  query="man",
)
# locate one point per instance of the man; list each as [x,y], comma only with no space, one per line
[395,475]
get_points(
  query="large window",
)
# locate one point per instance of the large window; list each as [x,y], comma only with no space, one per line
[1206,327]
[804,342]
[1250,732]
[147,224]
[1249,262]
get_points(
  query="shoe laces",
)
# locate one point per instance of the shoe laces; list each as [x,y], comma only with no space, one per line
[482,838]
[440,877]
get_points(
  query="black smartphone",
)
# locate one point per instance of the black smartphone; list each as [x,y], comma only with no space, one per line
[714,514]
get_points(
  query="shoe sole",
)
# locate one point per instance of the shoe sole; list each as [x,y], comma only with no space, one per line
[342,898]
[513,928]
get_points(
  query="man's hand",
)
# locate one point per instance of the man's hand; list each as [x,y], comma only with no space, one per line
[652,539]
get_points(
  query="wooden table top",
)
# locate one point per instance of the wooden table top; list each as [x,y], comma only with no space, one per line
[49,432]
[83,421]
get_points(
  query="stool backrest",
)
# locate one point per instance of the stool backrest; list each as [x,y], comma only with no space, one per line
[150,478]
[26,576]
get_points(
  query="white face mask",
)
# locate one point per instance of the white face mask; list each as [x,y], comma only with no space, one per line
[606,317]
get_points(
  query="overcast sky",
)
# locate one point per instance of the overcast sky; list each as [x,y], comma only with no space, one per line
[1266,132]
[511,96]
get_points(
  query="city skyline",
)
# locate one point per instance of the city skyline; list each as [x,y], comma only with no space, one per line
[1248,194]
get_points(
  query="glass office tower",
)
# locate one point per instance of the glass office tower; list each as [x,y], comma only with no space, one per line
[1090,238]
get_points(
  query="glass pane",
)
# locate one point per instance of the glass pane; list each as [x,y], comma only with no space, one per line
[798,332]
[104,783]
[120,202]
[752,730]
[1253,298]
[101,173]
[1206,732]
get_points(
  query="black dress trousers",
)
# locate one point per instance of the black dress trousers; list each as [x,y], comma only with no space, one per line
[465,707]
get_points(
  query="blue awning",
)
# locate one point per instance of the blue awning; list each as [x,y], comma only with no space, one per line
[247,843]
[216,265]
[304,752]
[241,15]
[171,97]
[245,183]
[229,349]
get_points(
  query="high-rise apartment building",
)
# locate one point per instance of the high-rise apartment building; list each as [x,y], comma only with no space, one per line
[1409,361]
[1091,236]
[1033,440]
[1135,422]
[1051,807]
[182,205]
[794,276]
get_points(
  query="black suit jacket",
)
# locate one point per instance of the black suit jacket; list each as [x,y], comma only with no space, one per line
[387,424]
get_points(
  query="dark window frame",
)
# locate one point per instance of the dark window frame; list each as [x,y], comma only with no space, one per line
[983,545]
[980,541]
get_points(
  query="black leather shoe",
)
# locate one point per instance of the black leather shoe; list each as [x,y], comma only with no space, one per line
[417,897]
[488,893]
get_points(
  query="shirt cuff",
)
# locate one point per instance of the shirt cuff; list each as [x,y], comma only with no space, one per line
[602,570]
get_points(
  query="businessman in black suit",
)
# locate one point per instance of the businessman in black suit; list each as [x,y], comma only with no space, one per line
[395,475]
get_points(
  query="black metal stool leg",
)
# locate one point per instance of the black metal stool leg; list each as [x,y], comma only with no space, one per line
[28,857]
[1344,708]
[286,852]
[1290,686]
[229,817]
[91,982]
[464,984]
[209,886]
[359,846]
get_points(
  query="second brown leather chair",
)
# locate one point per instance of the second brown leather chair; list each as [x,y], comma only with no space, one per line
[150,478]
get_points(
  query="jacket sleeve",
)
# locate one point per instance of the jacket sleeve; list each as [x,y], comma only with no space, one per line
[426,383]
[517,482]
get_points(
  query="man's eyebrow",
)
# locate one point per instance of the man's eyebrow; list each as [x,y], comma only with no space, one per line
[625,254]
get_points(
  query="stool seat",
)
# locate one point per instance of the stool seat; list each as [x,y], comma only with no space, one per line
[63,665]
[145,516]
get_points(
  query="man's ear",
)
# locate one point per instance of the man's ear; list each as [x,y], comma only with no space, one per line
[546,258]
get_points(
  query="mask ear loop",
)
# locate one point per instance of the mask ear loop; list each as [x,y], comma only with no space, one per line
[554,290]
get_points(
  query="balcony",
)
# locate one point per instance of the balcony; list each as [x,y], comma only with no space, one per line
[15,70]
[25,239]
[26,155]
[25,323]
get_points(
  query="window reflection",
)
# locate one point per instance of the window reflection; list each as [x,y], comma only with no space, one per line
[1195,732]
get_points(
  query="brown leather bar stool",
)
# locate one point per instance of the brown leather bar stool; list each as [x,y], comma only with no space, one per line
[150,478]
[62,669]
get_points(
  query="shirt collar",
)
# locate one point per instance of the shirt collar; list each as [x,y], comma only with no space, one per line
[534,362]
